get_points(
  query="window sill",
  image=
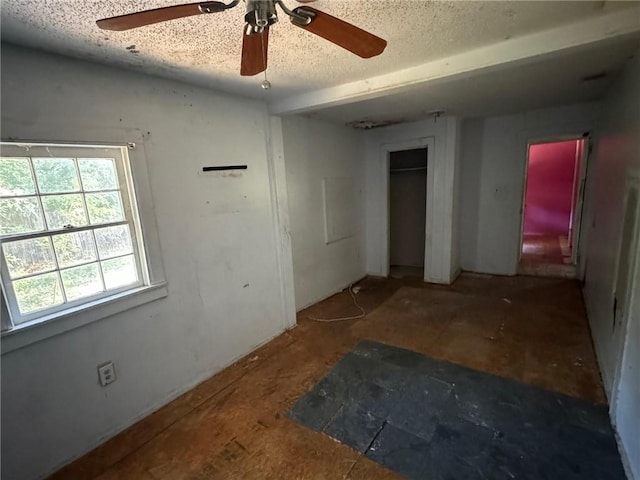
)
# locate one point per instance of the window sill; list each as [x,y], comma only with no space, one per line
[66,320]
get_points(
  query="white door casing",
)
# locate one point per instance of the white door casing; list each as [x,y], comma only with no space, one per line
[386,150]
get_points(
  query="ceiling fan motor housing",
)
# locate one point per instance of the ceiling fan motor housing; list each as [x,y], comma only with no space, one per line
[261,13]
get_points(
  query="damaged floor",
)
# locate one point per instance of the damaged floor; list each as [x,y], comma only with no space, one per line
[234,425]
[433,419]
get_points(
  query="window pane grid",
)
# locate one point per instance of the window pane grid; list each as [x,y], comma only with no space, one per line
[69,193]
[80,190]
[98,258]
[115,257]
[100,272]
[41,256]
[98,261]
[13,181]
[80,263]
[22,277]
[64,294]
[86,210]
[13,237]
[37,192]
[57,266]
[39,196]
[104,203]
[24,195]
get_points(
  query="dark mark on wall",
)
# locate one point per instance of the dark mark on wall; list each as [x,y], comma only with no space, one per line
[226,167]
[245,285]
[131,47]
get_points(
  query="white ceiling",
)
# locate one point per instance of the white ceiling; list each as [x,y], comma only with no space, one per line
[543,83]
[205,50]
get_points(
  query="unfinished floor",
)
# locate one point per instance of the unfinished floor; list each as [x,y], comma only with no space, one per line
[547,256]
[234,425]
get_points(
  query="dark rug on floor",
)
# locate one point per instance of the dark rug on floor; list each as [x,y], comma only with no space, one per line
[429,419]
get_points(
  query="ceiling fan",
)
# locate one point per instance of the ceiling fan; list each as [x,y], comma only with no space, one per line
[261,14]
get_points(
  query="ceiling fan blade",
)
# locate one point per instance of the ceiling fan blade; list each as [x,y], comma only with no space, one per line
[343,34]
[254,52]
[147,17]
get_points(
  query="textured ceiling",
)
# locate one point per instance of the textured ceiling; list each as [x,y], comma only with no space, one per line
[205,50]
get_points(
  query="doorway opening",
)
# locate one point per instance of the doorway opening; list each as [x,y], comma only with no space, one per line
[552,208]
[407,212]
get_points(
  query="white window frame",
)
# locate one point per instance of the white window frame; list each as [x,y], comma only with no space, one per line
[19,330]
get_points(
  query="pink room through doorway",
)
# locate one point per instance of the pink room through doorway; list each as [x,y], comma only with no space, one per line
[551,205]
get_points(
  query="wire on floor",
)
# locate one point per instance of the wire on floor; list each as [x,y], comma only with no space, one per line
[355,317]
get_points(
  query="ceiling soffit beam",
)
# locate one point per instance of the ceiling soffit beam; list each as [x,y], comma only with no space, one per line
[525,49]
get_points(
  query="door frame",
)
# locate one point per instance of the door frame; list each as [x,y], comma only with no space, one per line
[387,149]
[633,181]
[577,224]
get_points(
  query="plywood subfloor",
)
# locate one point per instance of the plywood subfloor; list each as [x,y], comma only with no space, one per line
[233,426]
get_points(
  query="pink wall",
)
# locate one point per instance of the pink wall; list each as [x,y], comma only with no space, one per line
[550,188]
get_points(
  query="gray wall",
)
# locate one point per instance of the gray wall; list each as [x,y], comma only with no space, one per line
[493,163]
[314,151]
[616,153]
[407,207]
[217,237]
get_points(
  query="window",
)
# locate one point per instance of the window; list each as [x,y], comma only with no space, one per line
[69,228]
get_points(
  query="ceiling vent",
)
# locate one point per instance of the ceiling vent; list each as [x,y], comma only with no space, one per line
[370,124]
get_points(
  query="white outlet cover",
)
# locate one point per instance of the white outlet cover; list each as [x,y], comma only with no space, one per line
[106,373]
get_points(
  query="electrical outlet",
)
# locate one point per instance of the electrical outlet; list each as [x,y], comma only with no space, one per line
[106,373]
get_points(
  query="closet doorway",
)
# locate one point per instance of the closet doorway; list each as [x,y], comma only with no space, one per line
[407,212]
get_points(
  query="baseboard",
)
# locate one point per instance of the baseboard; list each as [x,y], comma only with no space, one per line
[626,464]
[171,396]
[455,275]
[332,293]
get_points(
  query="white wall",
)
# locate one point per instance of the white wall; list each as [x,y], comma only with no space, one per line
[218,241]
[617,150]
[493,163]
[315,150]
[441,266]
